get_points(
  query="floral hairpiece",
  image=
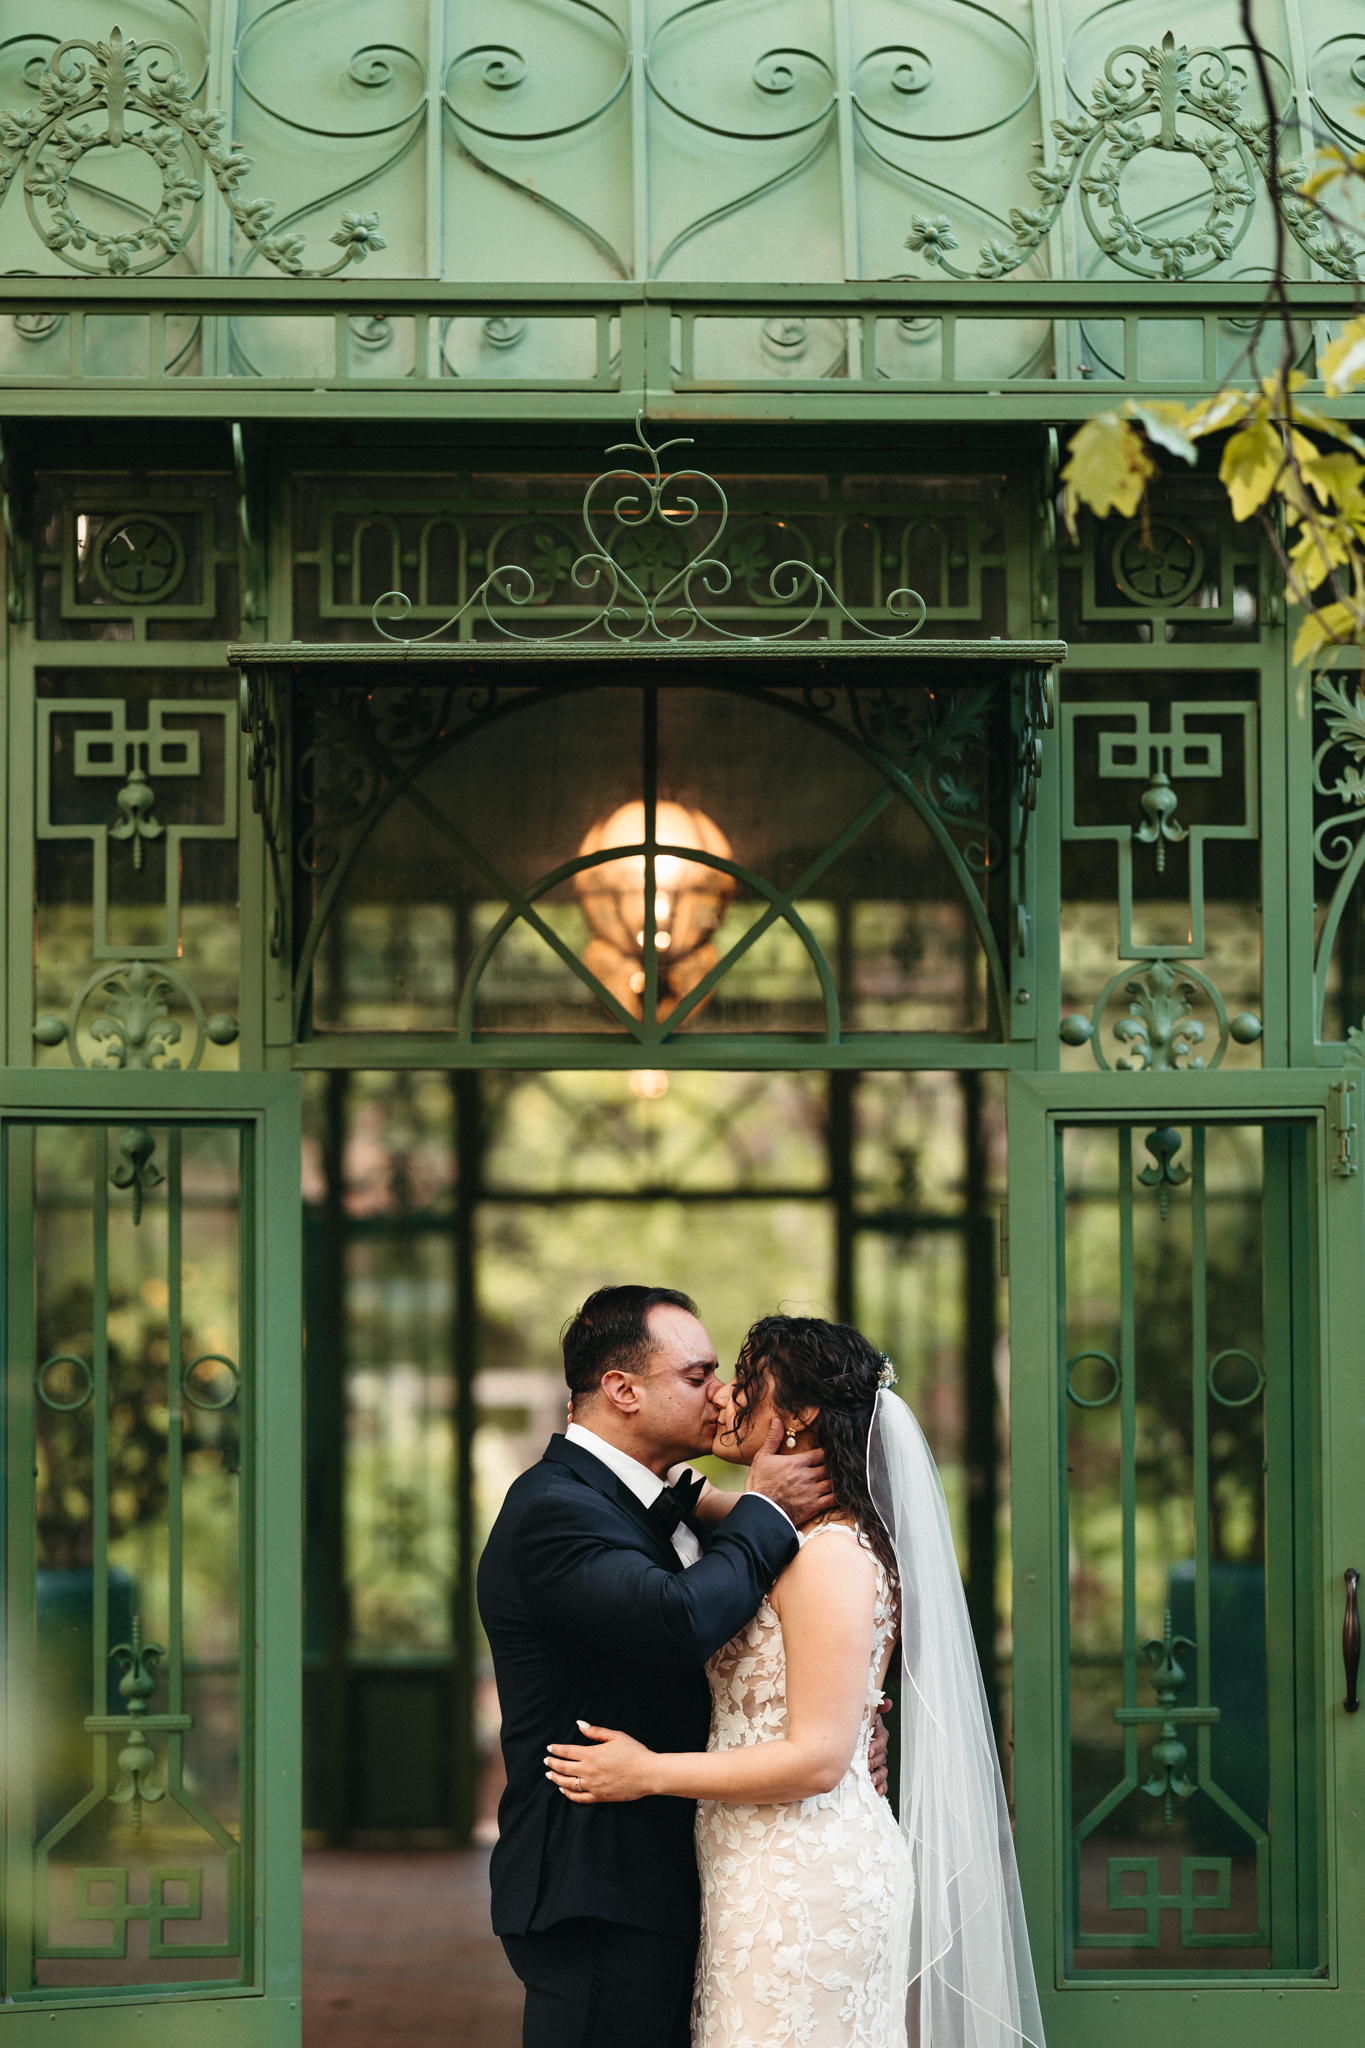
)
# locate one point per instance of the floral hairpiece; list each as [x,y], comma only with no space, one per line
[887,1376]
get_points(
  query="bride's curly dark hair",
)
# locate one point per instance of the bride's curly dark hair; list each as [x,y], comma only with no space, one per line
[830,1366]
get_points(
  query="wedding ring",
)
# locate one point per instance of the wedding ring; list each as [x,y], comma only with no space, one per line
[578,1784]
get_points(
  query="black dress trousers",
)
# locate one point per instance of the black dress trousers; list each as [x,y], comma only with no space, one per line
[594,1984]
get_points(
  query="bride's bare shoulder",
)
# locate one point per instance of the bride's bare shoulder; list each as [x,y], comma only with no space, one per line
[823,1571]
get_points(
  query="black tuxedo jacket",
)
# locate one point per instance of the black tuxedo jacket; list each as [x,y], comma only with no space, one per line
[591,1617]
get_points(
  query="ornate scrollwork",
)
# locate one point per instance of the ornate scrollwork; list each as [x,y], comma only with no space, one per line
[1194,97]
[266,781]
[1038,714]
[336,785]
[135,1027]
[648,509]
[929,740]
[1338,838]
[501,69]
[149,107]
[1160,1032]
[1333,841]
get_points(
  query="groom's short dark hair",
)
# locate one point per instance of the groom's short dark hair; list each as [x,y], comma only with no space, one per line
[610,1333]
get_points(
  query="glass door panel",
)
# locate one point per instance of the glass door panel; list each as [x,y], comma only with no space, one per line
[138,1641]
[1189,1517]
[1186,1287]
[140,1396]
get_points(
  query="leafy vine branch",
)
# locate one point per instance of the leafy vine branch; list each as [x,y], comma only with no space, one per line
[1291,466]
[149,107]
[1288,463]
[1095,150]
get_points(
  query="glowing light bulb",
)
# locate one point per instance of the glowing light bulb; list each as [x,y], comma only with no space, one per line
[689,900]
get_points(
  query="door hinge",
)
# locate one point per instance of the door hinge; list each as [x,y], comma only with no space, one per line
[1004,1240]
[1345,1162]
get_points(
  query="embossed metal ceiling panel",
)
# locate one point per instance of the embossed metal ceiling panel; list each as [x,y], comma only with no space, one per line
[721,141]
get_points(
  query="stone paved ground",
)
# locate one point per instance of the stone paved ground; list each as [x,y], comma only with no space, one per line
[397,1952]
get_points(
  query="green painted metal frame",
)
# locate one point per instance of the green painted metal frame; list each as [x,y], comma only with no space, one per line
[639,373]
[1121,2010]
[266,2011]
[1124,2011]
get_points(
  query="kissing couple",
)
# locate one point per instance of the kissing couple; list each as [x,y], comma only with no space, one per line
[693,1849]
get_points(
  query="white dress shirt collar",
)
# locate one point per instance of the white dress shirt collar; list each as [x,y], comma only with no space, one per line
[644,1484]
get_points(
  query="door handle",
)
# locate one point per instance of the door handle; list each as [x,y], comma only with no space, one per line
[1350,1641]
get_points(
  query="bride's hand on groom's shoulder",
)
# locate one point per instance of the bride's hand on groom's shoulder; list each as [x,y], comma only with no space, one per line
[796,1481]
[606,1766]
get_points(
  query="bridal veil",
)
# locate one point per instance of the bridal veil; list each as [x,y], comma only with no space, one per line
[970,1974]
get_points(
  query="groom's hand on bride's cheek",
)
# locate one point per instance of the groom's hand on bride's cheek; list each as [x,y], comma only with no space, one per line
[876,1749]
[795,1481]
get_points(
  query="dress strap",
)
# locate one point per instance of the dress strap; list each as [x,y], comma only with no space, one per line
[804,1536]
[823,1529]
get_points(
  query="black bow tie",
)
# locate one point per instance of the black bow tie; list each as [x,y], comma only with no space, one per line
[675,1504]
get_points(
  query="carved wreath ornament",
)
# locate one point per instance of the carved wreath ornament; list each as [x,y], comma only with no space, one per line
[1194,98]
[148,106]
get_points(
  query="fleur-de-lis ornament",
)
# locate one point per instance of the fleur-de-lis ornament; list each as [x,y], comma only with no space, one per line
[1160,1030]
[136,1758]
[1159,801]
[134,1169]
[135,1027]
[1164,1174]
[1169,1754]
[135,800]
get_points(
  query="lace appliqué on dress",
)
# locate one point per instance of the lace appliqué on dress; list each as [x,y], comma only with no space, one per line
[805,1907]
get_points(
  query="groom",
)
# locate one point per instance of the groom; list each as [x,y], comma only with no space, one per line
[602,1600]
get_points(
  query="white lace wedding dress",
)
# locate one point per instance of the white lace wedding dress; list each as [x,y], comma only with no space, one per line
[806,1908]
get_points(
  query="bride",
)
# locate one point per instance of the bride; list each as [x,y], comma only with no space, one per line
[825,1923]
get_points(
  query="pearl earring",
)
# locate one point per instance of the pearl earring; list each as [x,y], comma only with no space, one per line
[791,1440]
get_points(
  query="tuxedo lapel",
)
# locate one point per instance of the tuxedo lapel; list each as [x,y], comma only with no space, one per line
[603,1480]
